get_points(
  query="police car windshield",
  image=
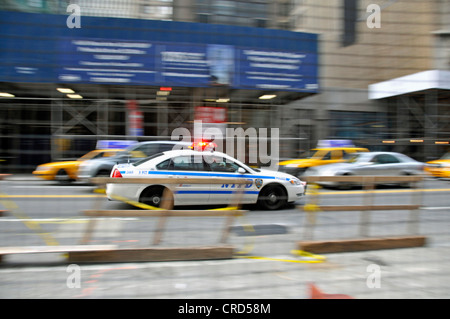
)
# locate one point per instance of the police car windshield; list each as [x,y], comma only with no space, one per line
[142,161]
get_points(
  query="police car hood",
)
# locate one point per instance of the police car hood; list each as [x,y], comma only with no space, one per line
[271,173]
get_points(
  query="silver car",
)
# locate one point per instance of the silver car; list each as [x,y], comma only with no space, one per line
[102,167]
[368,163]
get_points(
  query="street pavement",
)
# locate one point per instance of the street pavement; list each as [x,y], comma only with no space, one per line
[266,264]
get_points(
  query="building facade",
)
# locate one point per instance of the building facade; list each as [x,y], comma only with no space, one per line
[362,46]
[389,40]
[66,86]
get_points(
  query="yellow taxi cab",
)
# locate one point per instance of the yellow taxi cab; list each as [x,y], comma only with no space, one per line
[325,153]
[440,167]
[66,171]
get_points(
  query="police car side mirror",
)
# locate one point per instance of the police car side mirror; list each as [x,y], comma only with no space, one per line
[241,170]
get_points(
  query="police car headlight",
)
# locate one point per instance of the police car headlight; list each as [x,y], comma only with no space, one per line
[295,181]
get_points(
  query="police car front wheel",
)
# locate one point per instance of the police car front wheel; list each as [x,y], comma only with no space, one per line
[272,197]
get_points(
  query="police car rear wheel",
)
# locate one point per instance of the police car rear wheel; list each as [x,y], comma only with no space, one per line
[152,196]
[272,197]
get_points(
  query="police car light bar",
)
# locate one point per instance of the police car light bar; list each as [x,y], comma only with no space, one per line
[203,146]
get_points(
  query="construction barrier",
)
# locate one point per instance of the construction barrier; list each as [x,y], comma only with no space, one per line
[44,249]
[220,251]
[87,253]
[368,184]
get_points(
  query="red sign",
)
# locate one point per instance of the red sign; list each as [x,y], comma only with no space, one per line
[135,119]
[209,114]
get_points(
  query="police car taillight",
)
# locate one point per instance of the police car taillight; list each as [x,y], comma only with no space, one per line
[116,174]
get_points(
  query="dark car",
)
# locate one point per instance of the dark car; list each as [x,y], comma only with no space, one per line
[102,167]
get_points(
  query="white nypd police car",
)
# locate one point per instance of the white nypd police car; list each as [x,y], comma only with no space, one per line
[270,189]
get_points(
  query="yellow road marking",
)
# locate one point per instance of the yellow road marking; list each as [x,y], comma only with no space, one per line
[28,222]
[282,260]
[315,258]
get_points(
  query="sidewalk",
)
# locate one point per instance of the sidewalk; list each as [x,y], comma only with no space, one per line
[416,273]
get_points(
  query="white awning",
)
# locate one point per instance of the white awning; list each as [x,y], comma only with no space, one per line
[431,79]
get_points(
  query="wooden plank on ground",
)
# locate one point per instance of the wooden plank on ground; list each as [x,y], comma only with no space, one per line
[152,254]
[349,245]
[52,249]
